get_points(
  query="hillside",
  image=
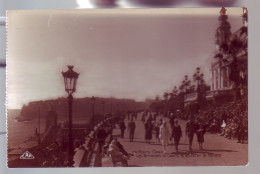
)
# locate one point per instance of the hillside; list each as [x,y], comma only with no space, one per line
[82,107]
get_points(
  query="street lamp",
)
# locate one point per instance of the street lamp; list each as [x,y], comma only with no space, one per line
[103,107]
[39,123]
[93,110]
[199,78]
[70,81]
[111,107]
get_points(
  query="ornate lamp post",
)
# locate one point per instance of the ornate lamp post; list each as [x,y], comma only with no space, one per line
[111,107]
[70,81]
[199,78]
[103,107]
[93,110]
[39,123]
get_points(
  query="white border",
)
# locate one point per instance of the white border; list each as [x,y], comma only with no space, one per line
[254,121]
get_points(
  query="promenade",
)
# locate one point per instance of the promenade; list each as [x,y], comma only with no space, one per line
[217,150]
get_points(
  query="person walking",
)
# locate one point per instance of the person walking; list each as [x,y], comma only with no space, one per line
[190,130]
[148,131]
[157,129]
[122,128]
[176,133]
[172,119]
[131,128]
[201,130]
[164,135]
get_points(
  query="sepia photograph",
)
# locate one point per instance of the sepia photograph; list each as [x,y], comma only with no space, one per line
[127,87]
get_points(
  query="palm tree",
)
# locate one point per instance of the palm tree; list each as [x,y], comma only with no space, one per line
[235,47]
[191,89]
[185,84]
[174,92]
[199,78]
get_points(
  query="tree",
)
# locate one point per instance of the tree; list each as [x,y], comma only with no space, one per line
[191,89]
[237,66]
[157,98]
[235,47]
[155,107]
[199,78]
[166,95]
[185,85]
[174,93]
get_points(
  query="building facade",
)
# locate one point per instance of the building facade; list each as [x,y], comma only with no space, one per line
[221,67]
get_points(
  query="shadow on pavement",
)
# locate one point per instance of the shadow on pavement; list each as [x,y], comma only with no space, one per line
[134,166]
[214,150]
[185,152]
[137,142]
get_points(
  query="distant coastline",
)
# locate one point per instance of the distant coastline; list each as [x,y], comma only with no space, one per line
[82,107]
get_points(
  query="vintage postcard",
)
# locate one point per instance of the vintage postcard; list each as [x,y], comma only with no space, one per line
[128,88]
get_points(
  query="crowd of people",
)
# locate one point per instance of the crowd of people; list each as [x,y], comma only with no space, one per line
[159,127]
[164,134]
[230,120]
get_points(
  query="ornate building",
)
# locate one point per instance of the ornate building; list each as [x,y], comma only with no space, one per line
[230,61]
[222,67]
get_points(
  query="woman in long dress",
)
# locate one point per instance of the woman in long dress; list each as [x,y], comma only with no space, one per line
[200,134]
[164,135]
[157,130]
[148,131]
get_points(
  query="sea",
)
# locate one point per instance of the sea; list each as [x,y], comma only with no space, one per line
[21,134]
[18,133]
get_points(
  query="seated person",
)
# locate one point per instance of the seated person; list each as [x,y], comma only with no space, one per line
[121,148]
[116,155]
[107,143]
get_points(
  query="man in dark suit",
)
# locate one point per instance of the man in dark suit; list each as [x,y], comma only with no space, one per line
[122,128]
[190,130]
[131,128]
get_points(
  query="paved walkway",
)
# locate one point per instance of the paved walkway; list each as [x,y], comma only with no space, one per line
[218,151]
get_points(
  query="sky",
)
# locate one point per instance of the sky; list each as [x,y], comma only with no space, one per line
[134,54]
